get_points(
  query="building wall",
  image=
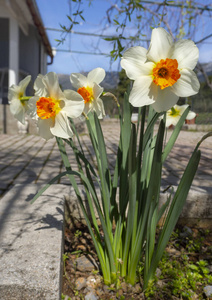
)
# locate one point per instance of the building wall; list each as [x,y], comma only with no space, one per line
[4,42]
[22,53]
[29,52]
[43,61]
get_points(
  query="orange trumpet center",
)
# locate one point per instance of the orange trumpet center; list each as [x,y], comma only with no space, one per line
[166,73]
[47,107]
[86,93]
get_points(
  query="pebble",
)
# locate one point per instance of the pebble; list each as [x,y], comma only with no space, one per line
[160,283]
[186,232]
[90,296]
[136,289]
[124,286]
[158,272]
[80,283]
[92,281]
[208,290]
[85,264]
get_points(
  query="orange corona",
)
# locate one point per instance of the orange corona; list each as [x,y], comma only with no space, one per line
[166,73]
[86,93]
[47,107]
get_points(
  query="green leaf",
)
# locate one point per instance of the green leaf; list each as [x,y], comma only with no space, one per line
[43,189]
[174,211]
[175,134]
[150,202]
[125,144]
[131,222]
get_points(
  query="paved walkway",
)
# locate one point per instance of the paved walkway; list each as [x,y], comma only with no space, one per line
[30,159]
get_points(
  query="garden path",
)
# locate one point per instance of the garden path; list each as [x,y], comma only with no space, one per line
[30,159]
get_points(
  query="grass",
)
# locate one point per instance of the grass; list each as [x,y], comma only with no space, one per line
[183,270]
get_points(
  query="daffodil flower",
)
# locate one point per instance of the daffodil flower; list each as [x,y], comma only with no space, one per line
[51,107]
[173,115]
[18,100]
[89,88]
[163,73]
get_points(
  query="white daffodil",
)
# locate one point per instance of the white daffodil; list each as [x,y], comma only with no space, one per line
[17,100]
[174,114]
[51,107]
[89,88]
[163,73]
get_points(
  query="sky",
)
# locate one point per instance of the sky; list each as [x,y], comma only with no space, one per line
[54,13]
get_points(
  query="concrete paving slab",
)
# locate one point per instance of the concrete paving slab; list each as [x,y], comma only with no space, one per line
[31,244]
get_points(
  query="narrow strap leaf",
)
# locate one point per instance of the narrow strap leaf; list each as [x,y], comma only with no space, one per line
[174,135]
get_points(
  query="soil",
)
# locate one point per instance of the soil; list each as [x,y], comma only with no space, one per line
[78,243]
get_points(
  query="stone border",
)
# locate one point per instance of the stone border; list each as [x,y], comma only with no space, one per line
[31,244]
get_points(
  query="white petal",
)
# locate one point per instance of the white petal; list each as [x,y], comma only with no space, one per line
[96,75]
[187,85]
[141,69]
[74,104]
[51,83]
[170,120]
[181,108]
[186,53]
[164,99]
[44,128]
[15,90]
[39,87]
[133,60]
[18,110]
[13,93]
[73,95]
[61,127]
[88,107]
[98,106]
[24,83]
[160,44]
[191,115]
[140,94]
[97,91]
[78,80]
[32,108]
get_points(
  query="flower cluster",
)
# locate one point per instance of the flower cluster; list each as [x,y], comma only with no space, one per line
[51,107]
[161,75]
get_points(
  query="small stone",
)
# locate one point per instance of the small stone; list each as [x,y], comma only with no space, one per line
[124,286]
[85,264]
[160,283]
[90,296]
[106,288]
[80,283]
[81,247]
[158,272]
[208,290]
[186,232]
[92,281]
[136,289]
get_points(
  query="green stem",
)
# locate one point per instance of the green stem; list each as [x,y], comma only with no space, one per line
[173,111]
[25,98]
